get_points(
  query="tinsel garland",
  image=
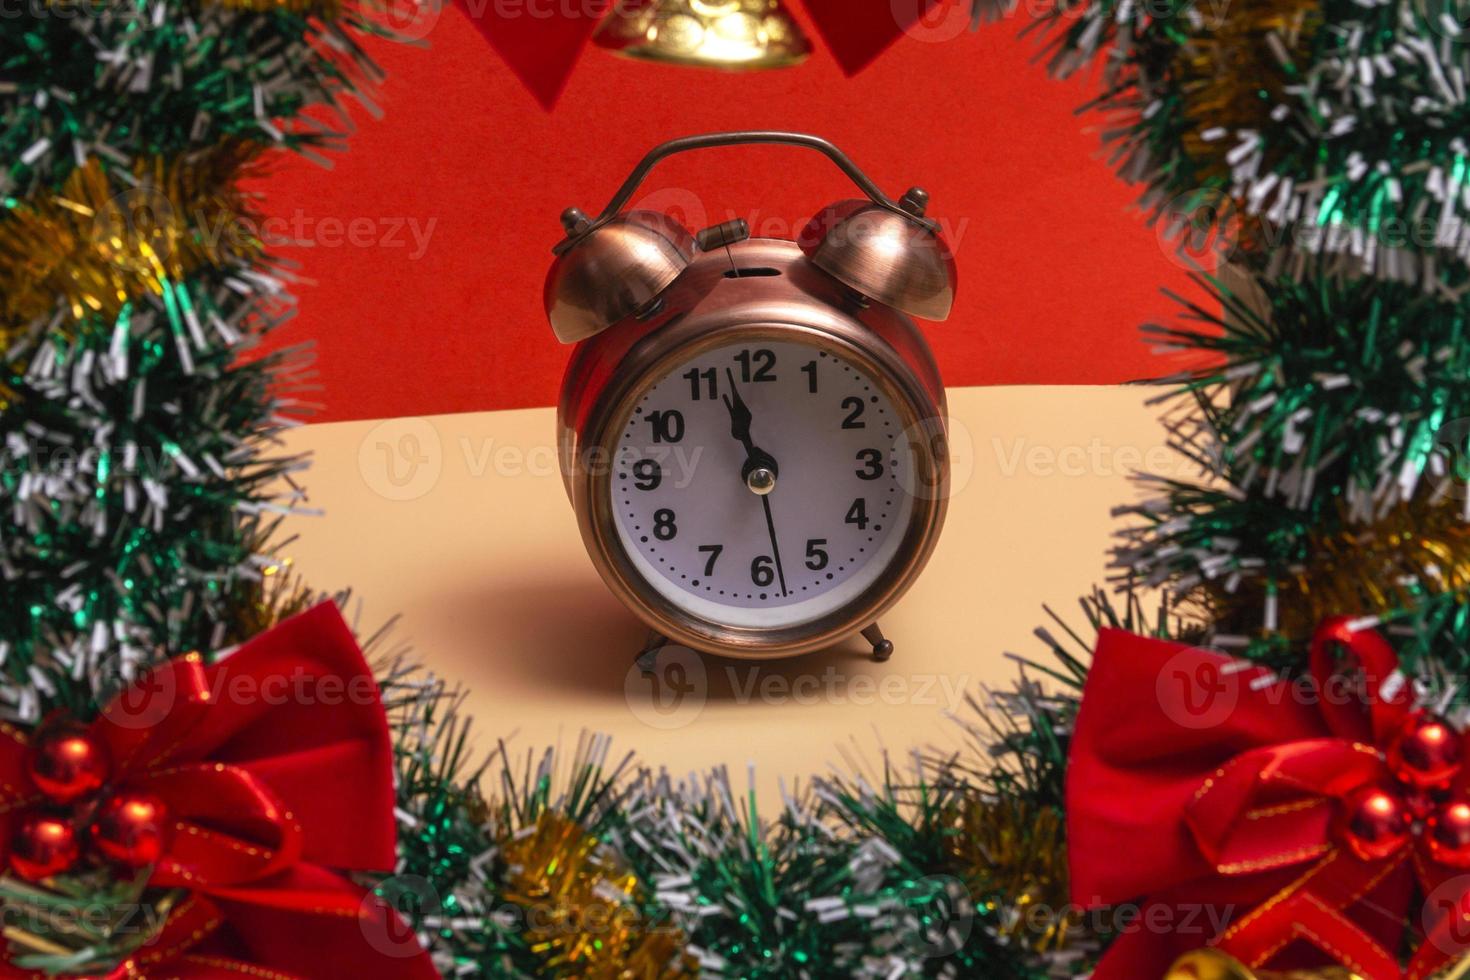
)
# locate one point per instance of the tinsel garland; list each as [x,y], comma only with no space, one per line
[1334,128]
[1323,423]
[1324,388]
[950,866]
[106,239]
[139,485]
[139,78]
[139,492]
[139,489]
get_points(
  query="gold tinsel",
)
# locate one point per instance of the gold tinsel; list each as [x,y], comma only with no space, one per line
[279,595]
[1232,74]
[1363,568]
[1210,964]
[107,235]
[1018,849]
[325,9]
[583,909]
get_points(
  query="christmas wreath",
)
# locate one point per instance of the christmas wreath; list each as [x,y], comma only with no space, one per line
[205,771]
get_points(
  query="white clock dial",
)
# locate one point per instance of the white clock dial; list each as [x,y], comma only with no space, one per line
[824,442]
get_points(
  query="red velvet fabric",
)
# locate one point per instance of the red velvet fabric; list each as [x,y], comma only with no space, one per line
[541,48]
[858,31]
[276,766]
[1209,791]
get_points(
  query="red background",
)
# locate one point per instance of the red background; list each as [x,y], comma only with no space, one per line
[1056,268]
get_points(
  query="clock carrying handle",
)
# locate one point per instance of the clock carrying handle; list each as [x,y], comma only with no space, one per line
[578,225]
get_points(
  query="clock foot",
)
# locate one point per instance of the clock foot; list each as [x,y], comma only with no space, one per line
[648,657]
[882,647]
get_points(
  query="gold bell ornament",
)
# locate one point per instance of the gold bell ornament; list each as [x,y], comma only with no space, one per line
[1211,964]
[730,34]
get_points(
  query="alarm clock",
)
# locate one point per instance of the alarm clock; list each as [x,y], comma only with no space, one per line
[752,430]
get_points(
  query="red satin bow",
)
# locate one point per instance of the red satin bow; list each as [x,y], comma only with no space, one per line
[277,766]
[1214,794]
[541,40]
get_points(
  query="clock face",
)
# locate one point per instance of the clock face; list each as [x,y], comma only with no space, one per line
[761,483]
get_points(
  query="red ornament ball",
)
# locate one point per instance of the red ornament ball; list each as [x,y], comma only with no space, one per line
[66,762]
[131,828]
[1376,823]
[43,845]
[1448,834]
[1426,752]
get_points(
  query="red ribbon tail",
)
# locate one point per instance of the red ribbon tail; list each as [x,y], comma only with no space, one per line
[1447,936]
[858,31]
[1312,910]
[540,48]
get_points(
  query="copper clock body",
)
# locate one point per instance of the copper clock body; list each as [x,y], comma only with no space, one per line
[758,289]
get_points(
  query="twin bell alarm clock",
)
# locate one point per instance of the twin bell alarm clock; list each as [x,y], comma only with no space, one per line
[752,430]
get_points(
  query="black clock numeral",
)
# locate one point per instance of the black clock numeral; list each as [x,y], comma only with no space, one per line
[759,365]
[664,527]
[713,550]
[667,426]
[854,408]
[694,376]
[872,461]
[810,370]
[647,475]
[762,571]
[858,514]
[816,555]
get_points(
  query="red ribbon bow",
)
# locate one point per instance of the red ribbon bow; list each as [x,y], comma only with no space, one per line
[276,766]
[1225,800]
[541,41]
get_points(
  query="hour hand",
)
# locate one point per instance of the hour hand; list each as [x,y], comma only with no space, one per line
[739,412]
[760,469]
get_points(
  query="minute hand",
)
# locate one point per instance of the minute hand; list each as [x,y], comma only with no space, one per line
[755,458]
[775,548]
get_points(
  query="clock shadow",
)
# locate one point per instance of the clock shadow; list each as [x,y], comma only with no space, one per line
[570,635]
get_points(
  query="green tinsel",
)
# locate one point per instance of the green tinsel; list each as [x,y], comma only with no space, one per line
[130,78]
[138,492]
[1350,388]
[1310,127]
[1328,422]
[792,897]
[447,880]
[138,497]
[923,823]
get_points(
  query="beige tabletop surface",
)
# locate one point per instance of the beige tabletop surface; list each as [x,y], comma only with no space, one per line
[460,524]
